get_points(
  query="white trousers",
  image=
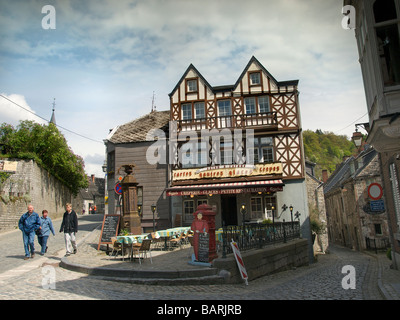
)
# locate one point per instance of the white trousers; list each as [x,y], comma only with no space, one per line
[70,242]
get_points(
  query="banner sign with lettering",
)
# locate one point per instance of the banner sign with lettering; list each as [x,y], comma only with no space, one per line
[227,171]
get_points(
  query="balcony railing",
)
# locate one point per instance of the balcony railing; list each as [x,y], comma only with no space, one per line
[230,121]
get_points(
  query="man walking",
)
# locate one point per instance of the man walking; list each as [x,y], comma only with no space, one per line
[70,227]
[28,224]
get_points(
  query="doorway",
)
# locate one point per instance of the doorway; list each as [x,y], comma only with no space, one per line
[229,210]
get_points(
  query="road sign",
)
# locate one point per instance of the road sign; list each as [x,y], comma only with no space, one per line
[118,188]
[375,191]
[377,205]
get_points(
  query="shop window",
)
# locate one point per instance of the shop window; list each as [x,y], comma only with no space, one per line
[188,210]
[270,207]
[256,207]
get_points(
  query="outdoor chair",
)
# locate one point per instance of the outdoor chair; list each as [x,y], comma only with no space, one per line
[177,241]
[157,242]
[116,247]
[141,252]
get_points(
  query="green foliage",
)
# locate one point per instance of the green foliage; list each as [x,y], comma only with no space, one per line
[48,147]
[326,149]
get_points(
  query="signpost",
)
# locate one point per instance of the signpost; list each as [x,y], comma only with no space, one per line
[118,189]
[109,228]
[375,191]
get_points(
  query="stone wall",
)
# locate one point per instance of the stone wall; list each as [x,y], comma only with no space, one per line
[260,262]
[31,184]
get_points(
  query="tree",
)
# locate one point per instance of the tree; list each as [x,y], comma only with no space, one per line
[48,147]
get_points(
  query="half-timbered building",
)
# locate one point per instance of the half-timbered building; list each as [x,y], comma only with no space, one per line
[237,146]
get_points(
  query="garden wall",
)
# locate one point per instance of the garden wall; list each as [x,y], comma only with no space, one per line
[31,184]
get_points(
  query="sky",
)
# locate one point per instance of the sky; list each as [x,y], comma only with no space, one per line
[102,61]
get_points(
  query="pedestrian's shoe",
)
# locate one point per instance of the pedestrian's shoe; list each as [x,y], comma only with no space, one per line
[67,254]
[74,251]
[26,258]
[46,250]
[33,255]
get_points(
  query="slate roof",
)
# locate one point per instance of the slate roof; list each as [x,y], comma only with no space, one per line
[223,88]
[342,172]
[136,130]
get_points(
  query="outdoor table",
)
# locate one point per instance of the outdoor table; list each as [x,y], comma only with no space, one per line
[131,240]
[170,233]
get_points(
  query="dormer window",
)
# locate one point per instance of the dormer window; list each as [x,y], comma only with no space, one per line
[191,85]
[255,78]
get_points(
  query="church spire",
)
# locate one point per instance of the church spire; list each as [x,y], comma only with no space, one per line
[53,117]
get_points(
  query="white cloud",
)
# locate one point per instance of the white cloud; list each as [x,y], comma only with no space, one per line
[12,113]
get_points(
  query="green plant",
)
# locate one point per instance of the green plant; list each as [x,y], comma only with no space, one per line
[267,221]
[389,253]
[123,232]
[48,147]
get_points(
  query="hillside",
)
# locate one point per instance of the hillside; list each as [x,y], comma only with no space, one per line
[326,149]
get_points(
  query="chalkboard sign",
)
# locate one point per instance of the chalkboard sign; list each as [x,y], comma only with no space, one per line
[109,228]
[204,247]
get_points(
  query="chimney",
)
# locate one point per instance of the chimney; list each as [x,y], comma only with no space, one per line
[92,176]
[324,176]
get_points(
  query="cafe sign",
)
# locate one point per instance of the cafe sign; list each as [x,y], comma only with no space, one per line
[227,171]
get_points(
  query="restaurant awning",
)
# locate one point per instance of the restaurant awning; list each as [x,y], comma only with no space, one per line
[227,188]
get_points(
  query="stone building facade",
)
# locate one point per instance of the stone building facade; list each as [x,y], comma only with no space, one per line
[353,217]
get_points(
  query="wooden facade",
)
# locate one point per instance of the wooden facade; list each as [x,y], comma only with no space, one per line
[279,118]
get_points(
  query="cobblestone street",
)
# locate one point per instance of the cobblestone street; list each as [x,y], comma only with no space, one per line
[320,281]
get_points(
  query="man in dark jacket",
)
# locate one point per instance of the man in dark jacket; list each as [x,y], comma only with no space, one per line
[28,224]
[70,227]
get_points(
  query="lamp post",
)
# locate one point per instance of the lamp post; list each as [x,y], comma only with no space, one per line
[291,214]
[153,209]
[273,221]
[243,212]
[139,209]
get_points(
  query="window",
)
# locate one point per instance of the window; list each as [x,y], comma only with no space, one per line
[387,33]
[226,149]
[199,110]
[187,111]
[194,155]
[191,85]
[263,104]
[270,207]
[256,208]
[188,210]
[263,150]
[250,104]
[378,229]
[255,79]
[202,201]
[224,108]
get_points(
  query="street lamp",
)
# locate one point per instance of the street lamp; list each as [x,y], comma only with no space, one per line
[357,138]
[243,212]
[139,209]
[291,214]
[153,209]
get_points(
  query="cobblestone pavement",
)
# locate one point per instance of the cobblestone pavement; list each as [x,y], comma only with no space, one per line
[319,281]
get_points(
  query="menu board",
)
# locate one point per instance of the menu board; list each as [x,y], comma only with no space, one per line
[109,228]
[204,247]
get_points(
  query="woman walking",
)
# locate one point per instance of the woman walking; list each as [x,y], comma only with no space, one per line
[46,225]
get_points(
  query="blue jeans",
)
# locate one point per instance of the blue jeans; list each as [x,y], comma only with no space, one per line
[43,243]
[29,242]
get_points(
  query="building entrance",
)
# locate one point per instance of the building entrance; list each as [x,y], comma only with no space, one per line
[229,209]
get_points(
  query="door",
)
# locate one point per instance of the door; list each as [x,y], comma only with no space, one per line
[229,210]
